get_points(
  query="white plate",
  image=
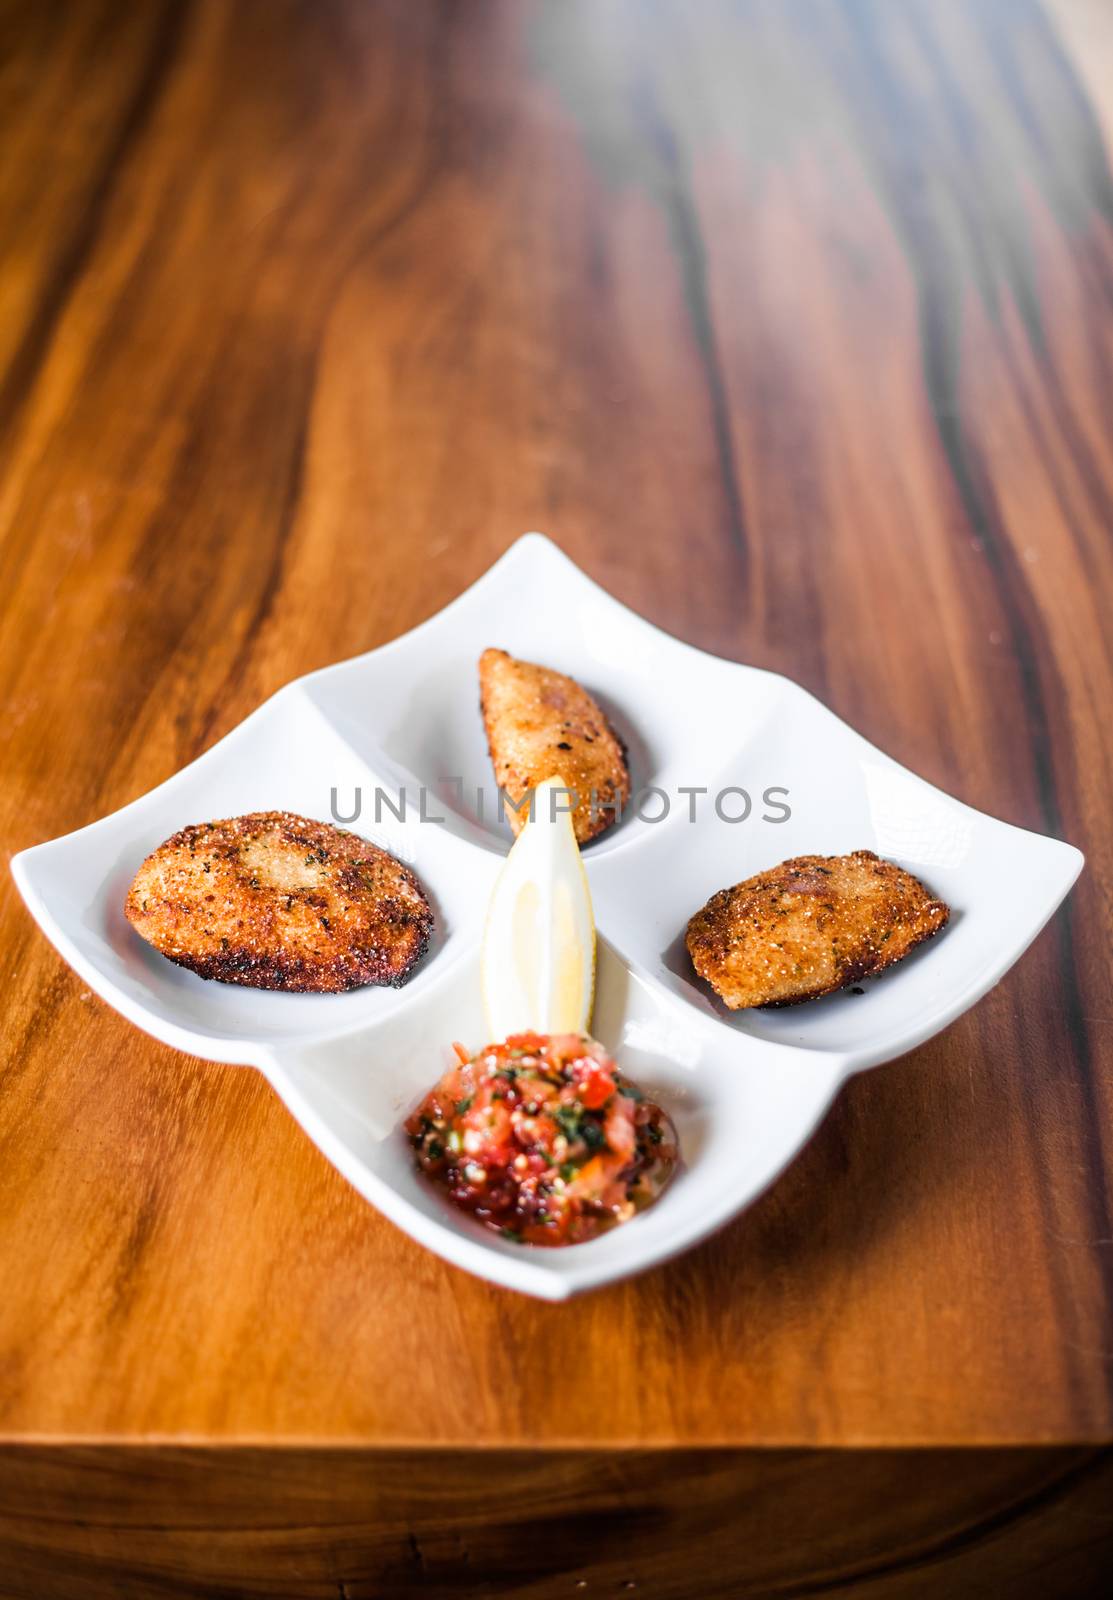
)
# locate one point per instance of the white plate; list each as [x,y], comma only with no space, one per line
[745,1090]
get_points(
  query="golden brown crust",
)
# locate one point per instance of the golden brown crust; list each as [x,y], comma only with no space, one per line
[541,724]
[810,926]
[277,901]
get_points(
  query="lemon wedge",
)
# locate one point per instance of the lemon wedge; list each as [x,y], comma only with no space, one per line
[538,966]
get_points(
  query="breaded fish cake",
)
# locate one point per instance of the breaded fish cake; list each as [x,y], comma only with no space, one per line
[541,724]
[277,901]
[810,926]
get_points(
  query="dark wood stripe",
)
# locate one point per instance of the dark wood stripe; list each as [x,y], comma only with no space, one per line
[674,195]
[73,256]
[275,572]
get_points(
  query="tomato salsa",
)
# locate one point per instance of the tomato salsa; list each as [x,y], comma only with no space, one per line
[543,1139]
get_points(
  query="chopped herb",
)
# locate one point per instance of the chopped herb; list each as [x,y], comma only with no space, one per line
[512,1233]
[593,1135]
[570,1121]
[464,1104]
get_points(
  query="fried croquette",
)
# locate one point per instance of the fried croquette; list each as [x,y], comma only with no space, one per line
[277,901]
[810,926]
[541,724]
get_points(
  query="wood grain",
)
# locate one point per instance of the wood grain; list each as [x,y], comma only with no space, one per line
[528,1525]
[790,322]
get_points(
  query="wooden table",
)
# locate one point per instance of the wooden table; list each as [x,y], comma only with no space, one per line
[791,323]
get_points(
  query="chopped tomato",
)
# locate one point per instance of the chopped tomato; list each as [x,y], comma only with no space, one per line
[594,1083]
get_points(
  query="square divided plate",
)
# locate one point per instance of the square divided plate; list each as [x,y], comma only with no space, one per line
[744,1090]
